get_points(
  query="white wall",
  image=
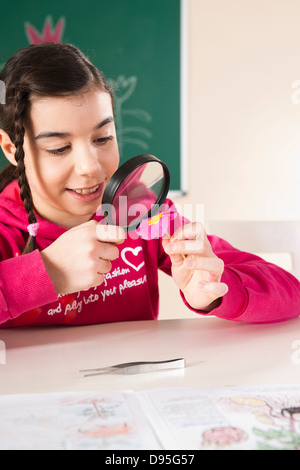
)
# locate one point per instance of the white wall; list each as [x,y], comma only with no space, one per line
[244,128]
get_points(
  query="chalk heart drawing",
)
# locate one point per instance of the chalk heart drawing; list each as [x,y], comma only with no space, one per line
[128,252]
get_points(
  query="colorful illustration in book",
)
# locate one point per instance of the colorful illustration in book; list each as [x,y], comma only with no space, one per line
[275,422]
[223,437]
[75,421]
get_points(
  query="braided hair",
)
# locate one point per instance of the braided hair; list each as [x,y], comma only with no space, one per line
[39,70]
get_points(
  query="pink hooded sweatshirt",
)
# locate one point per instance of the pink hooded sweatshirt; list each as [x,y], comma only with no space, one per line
[258,291]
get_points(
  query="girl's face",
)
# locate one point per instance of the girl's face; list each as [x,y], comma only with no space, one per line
[71,152]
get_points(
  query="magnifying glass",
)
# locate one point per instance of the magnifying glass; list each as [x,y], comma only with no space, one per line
[135,192]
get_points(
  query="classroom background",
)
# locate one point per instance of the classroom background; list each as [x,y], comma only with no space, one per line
[239,110]
[243,112]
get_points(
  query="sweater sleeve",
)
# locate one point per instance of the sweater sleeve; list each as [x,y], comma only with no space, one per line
[24,285]
[259,291]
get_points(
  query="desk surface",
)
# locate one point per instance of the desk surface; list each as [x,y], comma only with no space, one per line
[218,353]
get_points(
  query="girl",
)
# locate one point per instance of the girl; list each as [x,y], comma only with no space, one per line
[58,265]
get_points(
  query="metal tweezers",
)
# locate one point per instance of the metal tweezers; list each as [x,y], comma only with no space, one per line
[137,367]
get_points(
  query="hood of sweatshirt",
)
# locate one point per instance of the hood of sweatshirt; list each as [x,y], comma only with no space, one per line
[13,214]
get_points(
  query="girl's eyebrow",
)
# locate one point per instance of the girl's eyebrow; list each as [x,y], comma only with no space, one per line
[47,135]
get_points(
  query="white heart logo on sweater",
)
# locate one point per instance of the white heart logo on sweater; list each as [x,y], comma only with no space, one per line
[135,252]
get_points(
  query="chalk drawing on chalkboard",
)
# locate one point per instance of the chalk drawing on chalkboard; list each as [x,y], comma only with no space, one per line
[124,87]
[137,134]
[49,33]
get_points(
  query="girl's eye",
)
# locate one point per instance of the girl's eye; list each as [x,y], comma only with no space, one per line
[58,151]
[104,140]
[62,150]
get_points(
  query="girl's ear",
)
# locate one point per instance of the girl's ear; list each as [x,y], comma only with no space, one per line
[8,147]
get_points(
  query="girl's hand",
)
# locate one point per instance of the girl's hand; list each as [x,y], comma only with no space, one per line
[80,257]
[196,269]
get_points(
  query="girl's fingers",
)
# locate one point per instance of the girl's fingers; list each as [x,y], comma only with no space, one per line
[184,247]
[212,265]
[187,240]
[213,289]
[193,231]
[107,251]
[196,269]
[104,266]
[110,233]
[176,259]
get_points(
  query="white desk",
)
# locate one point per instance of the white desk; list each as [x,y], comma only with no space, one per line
[218,353]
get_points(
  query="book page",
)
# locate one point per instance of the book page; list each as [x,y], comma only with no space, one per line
[166,418]
[81,421]
[225,419]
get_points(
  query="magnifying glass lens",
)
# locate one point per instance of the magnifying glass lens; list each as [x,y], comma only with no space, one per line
[136,191]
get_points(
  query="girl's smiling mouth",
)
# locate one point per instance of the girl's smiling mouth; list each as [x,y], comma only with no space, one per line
[87,194]
[87,190]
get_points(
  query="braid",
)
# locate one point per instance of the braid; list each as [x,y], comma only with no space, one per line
[31,73]
[25,192]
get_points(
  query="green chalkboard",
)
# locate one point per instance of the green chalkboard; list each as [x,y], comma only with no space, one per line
[136,43]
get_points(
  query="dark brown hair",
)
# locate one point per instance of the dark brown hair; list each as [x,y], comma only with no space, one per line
[39,70]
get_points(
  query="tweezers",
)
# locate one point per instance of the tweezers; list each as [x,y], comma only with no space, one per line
[137,367]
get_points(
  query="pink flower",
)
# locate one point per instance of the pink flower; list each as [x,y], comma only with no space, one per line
[48,34]
[156,226]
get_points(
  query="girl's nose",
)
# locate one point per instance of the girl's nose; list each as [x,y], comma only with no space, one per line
[86,163]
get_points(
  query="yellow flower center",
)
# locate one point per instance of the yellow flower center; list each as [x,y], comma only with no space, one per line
[155,219]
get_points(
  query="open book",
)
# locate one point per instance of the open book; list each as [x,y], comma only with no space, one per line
[167,418]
